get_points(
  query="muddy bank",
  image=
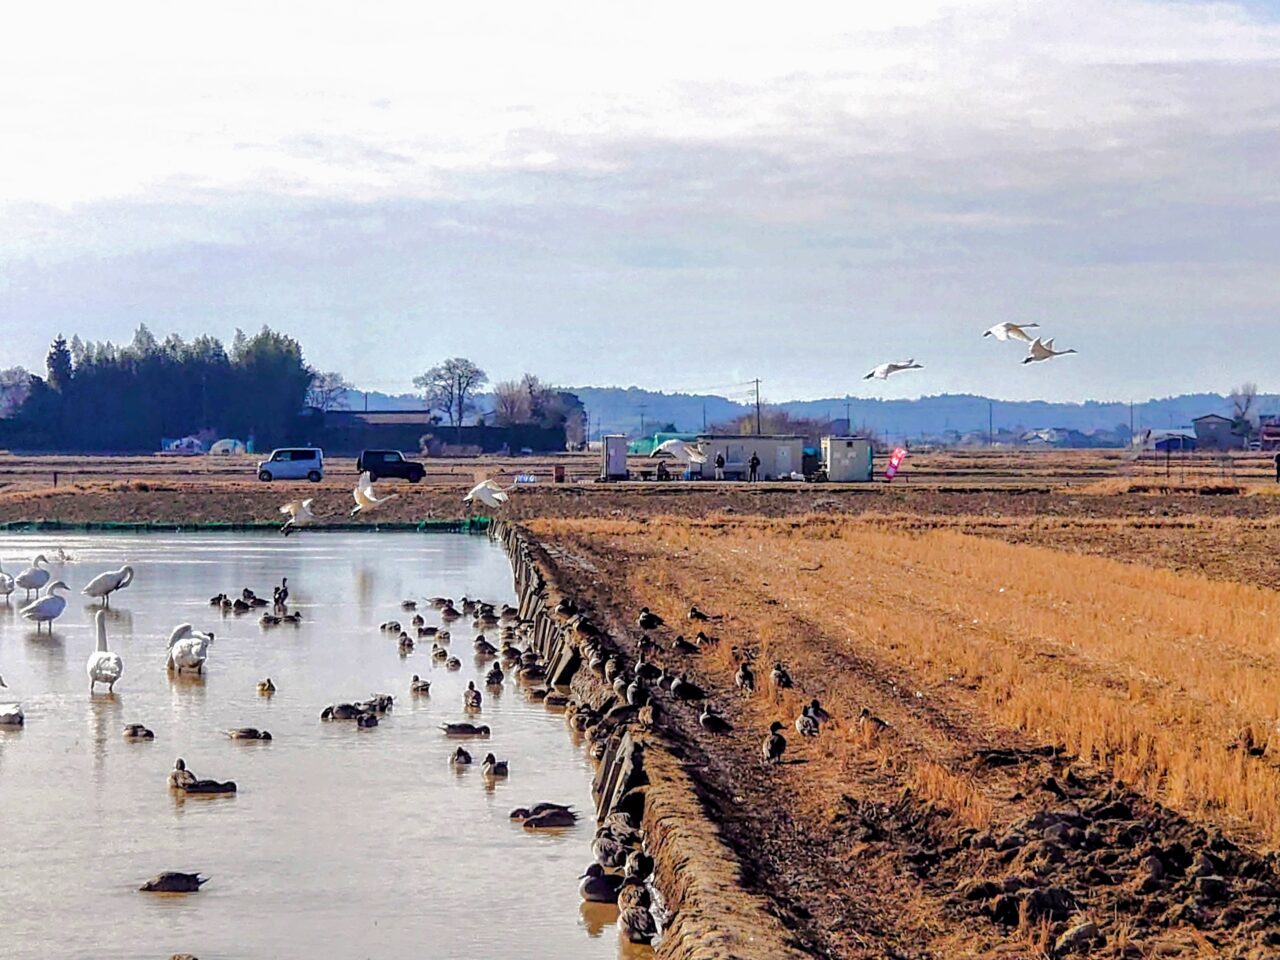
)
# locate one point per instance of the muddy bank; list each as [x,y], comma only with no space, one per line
[705,911]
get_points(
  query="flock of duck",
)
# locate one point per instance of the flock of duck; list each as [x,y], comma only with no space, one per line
[621,868]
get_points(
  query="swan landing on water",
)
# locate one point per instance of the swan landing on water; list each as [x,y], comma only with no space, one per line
[103,665]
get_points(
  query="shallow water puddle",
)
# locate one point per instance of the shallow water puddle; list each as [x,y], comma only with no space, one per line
[340,842]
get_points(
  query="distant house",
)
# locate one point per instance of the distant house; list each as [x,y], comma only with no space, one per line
[1213,432]
[1172,441]
[780,456]
[347,432]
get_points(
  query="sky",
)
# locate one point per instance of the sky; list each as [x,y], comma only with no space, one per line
[677,196]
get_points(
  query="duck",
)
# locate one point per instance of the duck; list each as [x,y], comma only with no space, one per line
[418,620]
[712,722]
[219,600]
[648,620]
[806,725]
[484,648]
[419,687]
[636,924]
[495,676]
[453,663]
[774,744]
[240,606]
[341,711]
[465,730]
[637,693]
[450,613]
[698,615]
[438,652]
[745,678]
[440,602]
[816,711]
[460,757]
[295,617]
[566,607]
[377,703]
[188,649]
[509,612]
[269,620]
[248,733]
[639,866]
[136,731]
[104,584]
[7,585]
[405,643]
[869,721]
[11,714]
[493,767]
[366,720]
[428,631]
[633,893]
[390,626]
[682,646]
[280,595]
[609,853]
[612,667]
[550,820]
[598,886]
[173,882]
[645,670]
[33,577]
[705,640]
[180,776]
[683,689]
[47,608]
[103,666]
[408,605]
[266,687]
[471,698]
[779,676]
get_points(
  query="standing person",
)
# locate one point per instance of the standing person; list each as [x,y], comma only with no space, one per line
[720,466]
[754,465]
[1276,461]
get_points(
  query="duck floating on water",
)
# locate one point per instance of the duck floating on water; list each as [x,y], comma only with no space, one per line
[266,687]
[465,730]
[637,925]
[471,698]
[248,733]
[493,767]
[136,731]
[460,757]
[419,687]
[598,886]
[173,882]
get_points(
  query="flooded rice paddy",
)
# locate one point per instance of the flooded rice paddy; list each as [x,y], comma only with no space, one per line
[341,842]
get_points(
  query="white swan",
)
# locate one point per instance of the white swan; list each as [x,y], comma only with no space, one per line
[103,665]
[104,584]
[682,451]
[299,513]
[6,585]
[48,608]
[885,370]
[33,578]
[1043,350]
[188,649]
[10,713]
[365,497]
[488,493]
[1011,331]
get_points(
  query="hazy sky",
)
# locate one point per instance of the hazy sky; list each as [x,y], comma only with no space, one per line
[677,196]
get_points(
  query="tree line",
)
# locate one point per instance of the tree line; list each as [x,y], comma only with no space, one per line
[101,396]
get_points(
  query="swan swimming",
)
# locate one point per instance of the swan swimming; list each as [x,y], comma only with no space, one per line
[188,649]
[299,513]
[33,578]
[104,584]
[365,497]
[1043,350]
[488,493]
[886,370]
[48,608]
[1011,331]
[10,713]
[103,666]
[6,585]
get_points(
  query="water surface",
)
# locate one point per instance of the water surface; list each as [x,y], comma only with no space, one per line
[341,842]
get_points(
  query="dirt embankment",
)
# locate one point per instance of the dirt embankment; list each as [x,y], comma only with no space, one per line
[993,814]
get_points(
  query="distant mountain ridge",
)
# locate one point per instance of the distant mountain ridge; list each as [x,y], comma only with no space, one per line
[624,409]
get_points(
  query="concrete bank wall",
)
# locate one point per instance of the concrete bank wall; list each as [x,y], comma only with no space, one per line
[705,912]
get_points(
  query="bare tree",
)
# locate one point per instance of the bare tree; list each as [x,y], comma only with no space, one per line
[1244,409]
[15,385]
[510,403]
[450,388]
[328,391]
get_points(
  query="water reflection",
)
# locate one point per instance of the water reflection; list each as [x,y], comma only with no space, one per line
[321,800]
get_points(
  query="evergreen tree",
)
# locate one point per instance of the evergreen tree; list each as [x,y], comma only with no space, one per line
[58,363]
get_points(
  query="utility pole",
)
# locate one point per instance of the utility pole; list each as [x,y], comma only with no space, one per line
[1131,421]
[704,416]
[757,383]
[366,401]
[642,409]
[990,420]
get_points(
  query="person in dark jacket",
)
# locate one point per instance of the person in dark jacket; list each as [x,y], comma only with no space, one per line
[720,466]
[753,465]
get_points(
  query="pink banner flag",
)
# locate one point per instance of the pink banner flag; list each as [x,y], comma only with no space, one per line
[895,461]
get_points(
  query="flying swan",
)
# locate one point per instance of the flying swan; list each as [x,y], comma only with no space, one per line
[299,513]
[1011,331]
[885,370]
[488,493]
[1043,350]
[365,497]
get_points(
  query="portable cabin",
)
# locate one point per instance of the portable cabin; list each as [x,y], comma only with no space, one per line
[847,459]
[780,455]
[613,457]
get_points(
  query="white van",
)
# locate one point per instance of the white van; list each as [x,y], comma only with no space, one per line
[293,463]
